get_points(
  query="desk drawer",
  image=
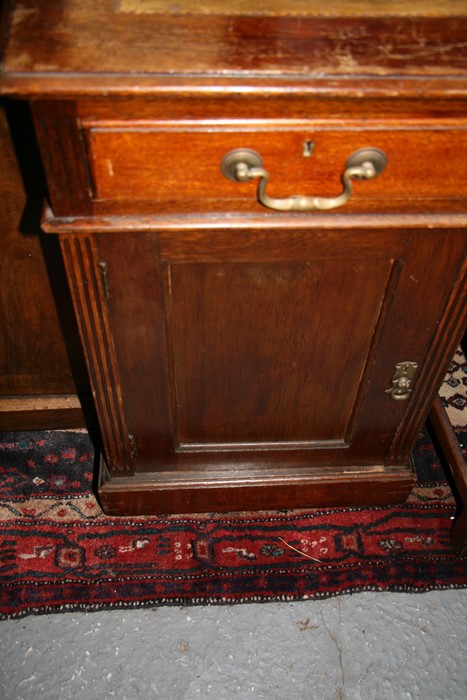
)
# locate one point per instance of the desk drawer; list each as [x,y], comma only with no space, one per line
[157,167]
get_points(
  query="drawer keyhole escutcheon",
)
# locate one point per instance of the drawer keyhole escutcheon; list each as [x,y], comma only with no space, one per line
[244,164]
[402,381]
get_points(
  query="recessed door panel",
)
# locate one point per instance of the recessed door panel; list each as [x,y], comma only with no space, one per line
[270,354]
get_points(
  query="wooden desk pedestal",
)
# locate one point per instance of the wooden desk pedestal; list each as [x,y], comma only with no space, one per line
[247,352]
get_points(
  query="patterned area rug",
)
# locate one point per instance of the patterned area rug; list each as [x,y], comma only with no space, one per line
[454,392]
[58,552]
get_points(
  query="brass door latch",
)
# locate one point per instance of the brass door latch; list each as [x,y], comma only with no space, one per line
[402,381]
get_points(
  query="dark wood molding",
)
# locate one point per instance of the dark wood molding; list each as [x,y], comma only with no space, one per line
[82,263]
[218,492]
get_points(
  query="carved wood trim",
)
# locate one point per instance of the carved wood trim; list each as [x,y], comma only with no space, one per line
[445,342]
[82,262]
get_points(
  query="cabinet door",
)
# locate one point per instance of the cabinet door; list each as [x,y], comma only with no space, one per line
[271,345]
[246,355]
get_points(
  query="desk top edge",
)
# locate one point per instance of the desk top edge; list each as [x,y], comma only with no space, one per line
[70,47]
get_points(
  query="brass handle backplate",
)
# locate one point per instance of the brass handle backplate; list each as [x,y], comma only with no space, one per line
[243,164]
[402,381]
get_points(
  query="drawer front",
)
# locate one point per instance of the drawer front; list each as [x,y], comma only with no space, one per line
[155,167]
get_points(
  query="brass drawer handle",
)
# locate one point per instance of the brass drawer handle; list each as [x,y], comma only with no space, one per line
[243,164]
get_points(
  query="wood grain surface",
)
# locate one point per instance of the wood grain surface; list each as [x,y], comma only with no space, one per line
[305,8]
[56,47]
